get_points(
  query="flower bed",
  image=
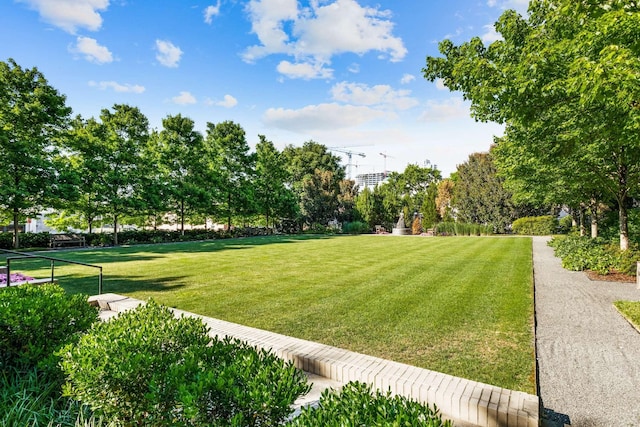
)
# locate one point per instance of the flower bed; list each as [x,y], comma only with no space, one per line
[15,278]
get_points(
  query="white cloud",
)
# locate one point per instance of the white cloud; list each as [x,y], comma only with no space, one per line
[228,102]
[448,109]
[304,70]
[378,95]
[490,35]
[283,28]
[70,14]
[440,85]
[168,54]
[92,51]
[185,98]
[118,87]
[354,68]
[407,78]
[321,117]
[210,12]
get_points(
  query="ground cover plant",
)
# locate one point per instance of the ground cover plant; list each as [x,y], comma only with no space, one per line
[459,305]
[630,310]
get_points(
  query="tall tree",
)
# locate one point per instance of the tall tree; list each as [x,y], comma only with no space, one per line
[312,168]
[569,70]
[273,198]
[479,196]
[233,163]
[33,117]
[122,135]
[180,159]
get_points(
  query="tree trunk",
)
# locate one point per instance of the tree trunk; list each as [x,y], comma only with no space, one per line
[115,230]
[229,211]
[594,218]
[16,235]
[182,217]
[90,223]
[581,221]
[624,227]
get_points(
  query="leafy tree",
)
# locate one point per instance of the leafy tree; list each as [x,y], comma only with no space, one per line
[233,165]
[273,198]
[180,149]
[33,117]
[479,196]
[309,167]
[347,193]
[319,197]
[569,71]
[122,136]
[370,208]
[443,199]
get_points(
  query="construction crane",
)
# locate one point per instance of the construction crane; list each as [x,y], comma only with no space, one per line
[385,155]
[349,154]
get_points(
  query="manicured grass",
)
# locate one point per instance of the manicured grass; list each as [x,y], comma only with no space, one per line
[630,310]
[463,306]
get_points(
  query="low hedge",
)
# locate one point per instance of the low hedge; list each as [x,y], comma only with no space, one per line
[35,321]
[535,225]
[580,253]
[357,405]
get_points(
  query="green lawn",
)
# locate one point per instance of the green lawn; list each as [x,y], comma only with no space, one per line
[630,310]
[463,306]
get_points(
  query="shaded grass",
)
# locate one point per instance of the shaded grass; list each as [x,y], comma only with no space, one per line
[631,311]
[463,306]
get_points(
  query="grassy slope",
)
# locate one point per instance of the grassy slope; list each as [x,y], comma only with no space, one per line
[462,306]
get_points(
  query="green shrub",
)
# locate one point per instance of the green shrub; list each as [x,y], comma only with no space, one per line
[147,367]
[357,405]
[35,321]
[535,225]
[580,253]
[462,229]
[355,227]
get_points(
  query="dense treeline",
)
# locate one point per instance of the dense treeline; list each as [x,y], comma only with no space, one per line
[115,170]
[564,81]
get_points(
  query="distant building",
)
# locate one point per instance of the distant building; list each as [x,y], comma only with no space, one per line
[370,179]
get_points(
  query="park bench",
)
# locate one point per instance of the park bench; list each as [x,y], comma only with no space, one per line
[69,239]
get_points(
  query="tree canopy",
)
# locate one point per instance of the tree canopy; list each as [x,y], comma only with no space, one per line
[565,82]
[33,118]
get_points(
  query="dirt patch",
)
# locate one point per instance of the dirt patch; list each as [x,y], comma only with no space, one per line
[611,277]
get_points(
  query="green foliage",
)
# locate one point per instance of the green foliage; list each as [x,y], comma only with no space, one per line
[35,321]
[355,227]
[564,81]
[535,226]
[462,229]
[27,398]
[357,405]
[147,367]
[33,116]
[27,240]
[583,253]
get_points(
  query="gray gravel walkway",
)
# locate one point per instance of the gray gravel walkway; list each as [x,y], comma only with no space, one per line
[588,354]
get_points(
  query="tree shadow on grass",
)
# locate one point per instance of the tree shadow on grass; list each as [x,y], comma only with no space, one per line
[119,284]
[148,252]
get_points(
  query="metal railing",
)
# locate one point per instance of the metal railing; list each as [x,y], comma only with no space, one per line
[23,255]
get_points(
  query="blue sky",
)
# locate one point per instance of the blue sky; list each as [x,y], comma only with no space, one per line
[345,73]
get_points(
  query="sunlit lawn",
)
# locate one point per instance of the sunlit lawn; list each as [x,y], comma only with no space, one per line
[463,306]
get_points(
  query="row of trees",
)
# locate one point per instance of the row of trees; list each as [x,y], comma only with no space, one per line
[116,167]
[564,81]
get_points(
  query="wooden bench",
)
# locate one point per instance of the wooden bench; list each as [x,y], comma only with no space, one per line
[63,240]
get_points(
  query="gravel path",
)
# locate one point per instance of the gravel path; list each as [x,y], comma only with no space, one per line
[588,354]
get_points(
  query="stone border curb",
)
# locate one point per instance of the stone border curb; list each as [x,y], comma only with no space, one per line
[467,403]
